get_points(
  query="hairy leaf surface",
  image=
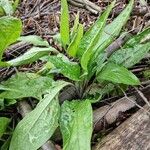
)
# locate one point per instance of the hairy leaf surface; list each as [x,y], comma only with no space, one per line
[76,125]
[39,125]
[117,74]
[26,85]
[65,66]
[133,51]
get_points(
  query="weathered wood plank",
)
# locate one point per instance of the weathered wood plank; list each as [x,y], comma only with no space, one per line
[133,134]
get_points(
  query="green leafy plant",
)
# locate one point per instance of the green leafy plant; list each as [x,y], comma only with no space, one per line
[3,125]
[84,64]
[8,35]
[8,7]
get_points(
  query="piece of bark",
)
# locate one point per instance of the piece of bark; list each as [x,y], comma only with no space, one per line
[48,146]
[133,134]
[117,44]
[121,105]
[24,108]
[108,114]
[140,11]
[17,49]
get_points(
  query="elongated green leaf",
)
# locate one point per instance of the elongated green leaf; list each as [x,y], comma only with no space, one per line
[73,47]
[76,125]
[10,30]
[93,36]
[117,74]
[67,68]
[75,26]
[7,6]
[3,125]
[133,51]
[113,29]
[64,24]
[39,125]
[141,38]
[34,39]
[26,85]
[30,56]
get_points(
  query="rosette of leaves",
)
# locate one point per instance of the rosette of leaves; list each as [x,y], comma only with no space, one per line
[83,64]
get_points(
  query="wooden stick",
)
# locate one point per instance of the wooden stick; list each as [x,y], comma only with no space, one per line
[93,8]
[133,134]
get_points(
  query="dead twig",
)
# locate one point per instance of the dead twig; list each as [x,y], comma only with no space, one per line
[139,106]
[117,44]
[143,97]
[108,114]
[93,8]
